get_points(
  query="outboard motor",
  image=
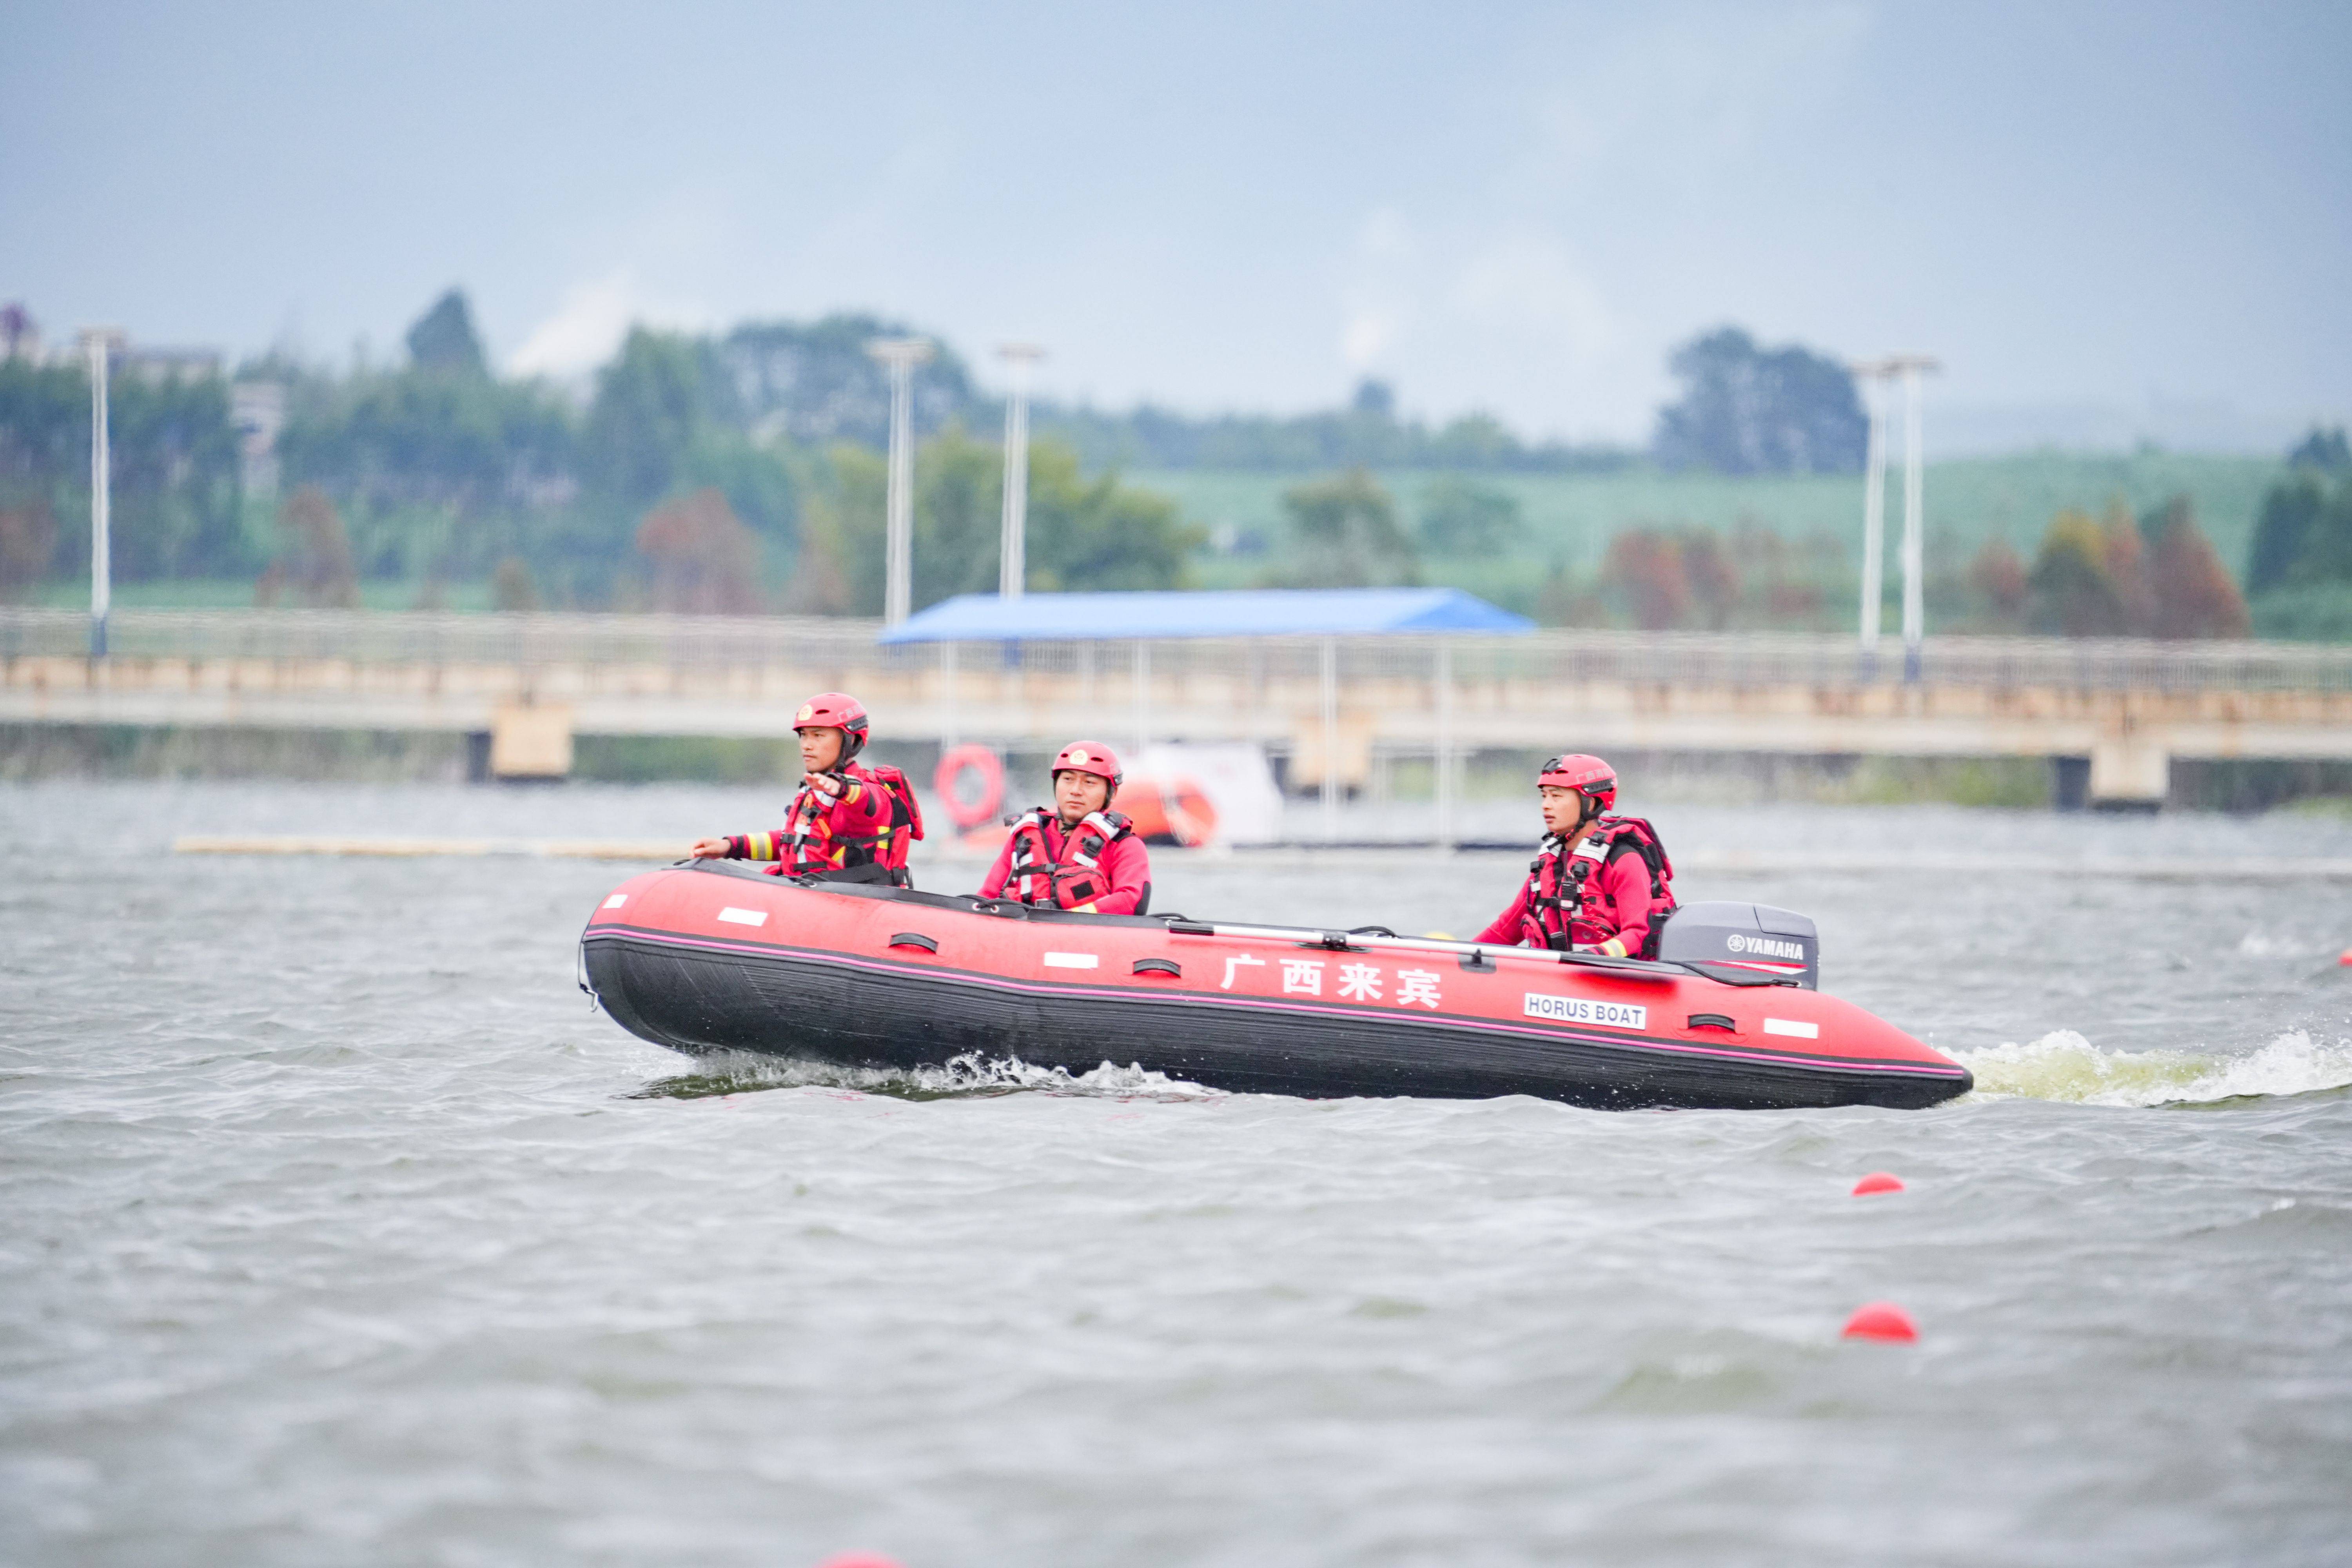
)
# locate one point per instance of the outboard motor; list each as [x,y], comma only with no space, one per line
[1755,937]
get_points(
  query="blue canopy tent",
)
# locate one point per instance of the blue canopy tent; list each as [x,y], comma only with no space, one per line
[1325,615]
[1227,613]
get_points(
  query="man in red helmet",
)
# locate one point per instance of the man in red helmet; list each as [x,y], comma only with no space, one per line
[848,822]
[1081,855]
[1600,883]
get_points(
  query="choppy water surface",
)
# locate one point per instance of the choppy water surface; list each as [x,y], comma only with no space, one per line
[338,1230]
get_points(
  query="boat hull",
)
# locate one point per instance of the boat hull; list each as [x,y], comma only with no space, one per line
[711,959]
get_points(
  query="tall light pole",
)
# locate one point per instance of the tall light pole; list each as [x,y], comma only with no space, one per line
[901,354]
[100,343]
[1908,367]
[1013,551]
[1874,513]
[1915,521]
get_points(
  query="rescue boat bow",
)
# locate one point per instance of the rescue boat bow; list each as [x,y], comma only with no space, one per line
[717,956]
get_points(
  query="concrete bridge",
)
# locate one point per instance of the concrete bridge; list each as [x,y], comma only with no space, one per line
[2123,710]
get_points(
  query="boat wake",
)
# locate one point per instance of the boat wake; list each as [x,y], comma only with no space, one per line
[2060,1065]
[2063,1065]
[724,1073]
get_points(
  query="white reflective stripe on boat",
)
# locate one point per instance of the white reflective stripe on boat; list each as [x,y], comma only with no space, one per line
[1071,960]
[617,901]
[744,917]
[1802,1031]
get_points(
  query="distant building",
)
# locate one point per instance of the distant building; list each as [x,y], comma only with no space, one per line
[258,409]
[20,338]
[20,335]
[168,364]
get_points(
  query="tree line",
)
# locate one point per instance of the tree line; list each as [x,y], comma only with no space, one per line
[742,471]
[2299,570]
[1742,408]
[2154,575]
[177,510]
[438,473]
[702,472]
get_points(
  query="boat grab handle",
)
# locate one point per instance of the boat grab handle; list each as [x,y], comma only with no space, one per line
[1358,942]
[914,939]
[1732,974]
[1157,966]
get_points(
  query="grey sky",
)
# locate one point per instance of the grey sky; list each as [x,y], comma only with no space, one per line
[2108,219]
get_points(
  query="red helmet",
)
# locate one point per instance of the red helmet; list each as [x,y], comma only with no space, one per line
[834,710]
[1591,777]
[1090,757]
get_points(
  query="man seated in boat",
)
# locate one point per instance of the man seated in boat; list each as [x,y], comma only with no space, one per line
[1080,854]
[848,822]
[1600,883]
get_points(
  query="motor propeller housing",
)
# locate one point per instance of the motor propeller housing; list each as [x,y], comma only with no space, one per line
[1755,937]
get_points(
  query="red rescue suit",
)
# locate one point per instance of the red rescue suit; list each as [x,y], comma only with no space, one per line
[1100,867]
[1609,893]
[826,832]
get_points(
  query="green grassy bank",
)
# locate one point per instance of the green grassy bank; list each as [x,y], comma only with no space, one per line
[1570,518]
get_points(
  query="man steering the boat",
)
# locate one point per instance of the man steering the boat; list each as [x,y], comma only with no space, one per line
[1080,854]
[1600,884]
[848,822]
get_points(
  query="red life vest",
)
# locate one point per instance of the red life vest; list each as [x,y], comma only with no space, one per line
[1078,878]
[817,846]
[1557,916]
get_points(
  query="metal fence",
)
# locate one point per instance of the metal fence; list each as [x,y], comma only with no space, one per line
[715,643]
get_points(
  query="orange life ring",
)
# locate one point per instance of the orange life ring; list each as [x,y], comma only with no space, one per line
[952,767]
[1178,812]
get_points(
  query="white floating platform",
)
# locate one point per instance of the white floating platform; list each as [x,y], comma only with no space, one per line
[663,850]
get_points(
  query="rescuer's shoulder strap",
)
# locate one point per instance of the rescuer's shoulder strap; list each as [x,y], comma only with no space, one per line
[905,810]
[1634,836]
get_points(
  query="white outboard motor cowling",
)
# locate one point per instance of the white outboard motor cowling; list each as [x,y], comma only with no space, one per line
[1754,937]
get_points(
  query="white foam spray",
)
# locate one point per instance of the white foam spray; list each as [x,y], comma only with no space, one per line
[735,1073]
[2063,1065]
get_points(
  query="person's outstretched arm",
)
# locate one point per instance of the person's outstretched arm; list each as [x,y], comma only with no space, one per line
[1505,932]
[739,847]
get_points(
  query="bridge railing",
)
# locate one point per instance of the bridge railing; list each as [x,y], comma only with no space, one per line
[375,637]
[713,642]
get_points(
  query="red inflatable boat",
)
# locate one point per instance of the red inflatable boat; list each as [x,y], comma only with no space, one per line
[717,955]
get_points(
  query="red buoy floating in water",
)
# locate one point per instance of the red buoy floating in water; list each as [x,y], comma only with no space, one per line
[2347,959]
[1877,1182]
[1881,1321]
